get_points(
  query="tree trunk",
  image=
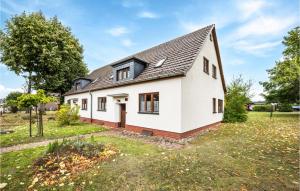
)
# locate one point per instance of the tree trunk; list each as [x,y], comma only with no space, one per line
[29,83]
[41,128]
[30,113]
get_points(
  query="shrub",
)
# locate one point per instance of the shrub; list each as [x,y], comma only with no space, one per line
[266,108]
[235,100]
[87,149]
[285,107]
[67,115]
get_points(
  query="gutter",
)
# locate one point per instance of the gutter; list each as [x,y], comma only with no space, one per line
[181,74]
[91,117]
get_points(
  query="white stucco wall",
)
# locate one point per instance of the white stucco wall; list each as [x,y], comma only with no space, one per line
[198,89]
[168,119]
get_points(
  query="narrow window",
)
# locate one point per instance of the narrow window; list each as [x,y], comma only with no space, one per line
[69,101]
[205,65]
[77,86]
[123,74]
[214,105]
[101,103]
[210,37]
[220,106]
[84,104]
[214,71]
[149,103]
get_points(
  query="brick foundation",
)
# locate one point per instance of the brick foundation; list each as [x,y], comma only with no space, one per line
[100,122]
[156,132]
[170,134]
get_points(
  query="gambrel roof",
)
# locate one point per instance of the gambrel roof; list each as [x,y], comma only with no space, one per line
[179,55]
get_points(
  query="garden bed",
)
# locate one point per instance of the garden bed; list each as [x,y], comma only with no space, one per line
[65,160]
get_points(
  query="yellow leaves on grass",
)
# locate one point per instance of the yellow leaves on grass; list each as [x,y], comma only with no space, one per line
[55,169]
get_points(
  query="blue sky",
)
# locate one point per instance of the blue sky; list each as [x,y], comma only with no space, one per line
[249,32]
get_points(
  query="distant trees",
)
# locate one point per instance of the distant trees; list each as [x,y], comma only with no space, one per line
[43,51]
[238,95]
[284,79]
[11,100]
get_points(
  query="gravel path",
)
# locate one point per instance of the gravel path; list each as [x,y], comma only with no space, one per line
[161,142]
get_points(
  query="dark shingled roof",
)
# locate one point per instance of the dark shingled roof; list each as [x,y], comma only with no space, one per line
[180,53]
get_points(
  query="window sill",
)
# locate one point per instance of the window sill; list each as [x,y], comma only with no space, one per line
[215,77]
[148,113]
[214,112]
[101,110]
[84,109]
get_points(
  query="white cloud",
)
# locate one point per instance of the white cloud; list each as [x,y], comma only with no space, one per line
[4,91]
[265,25]
[118,31]
[255,48]
[127,42]
[148,15]
[249,8]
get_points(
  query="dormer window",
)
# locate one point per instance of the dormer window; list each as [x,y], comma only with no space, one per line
[128,69]
[77,86]
[123,74]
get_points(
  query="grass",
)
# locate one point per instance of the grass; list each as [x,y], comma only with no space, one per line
[51,130]
[261,154]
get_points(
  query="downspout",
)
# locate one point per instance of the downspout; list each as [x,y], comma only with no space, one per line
[91,117]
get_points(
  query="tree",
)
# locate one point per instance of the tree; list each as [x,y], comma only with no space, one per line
[43,51]
[11,100]
[238,95]
[283,84]
[35,100]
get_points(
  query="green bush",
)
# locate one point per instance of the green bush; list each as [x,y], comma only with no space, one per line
[67,115]
[285,107]
[266,108]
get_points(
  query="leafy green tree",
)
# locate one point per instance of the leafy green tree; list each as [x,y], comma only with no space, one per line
[236,99]
[43,51]
[35,100]
[11,100]
[283,85]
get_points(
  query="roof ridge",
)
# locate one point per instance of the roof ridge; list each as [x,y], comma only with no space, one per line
[164,43]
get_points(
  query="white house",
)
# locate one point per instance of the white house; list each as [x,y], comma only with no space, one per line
[173,90]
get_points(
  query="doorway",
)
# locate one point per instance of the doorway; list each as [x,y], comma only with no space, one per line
[122,115]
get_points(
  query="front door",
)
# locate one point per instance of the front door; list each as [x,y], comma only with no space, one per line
[123,115]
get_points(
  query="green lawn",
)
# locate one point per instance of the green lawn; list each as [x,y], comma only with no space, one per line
[261,154]
[51,130]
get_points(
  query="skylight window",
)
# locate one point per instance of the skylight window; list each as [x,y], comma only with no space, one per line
[160,63]
[95,81]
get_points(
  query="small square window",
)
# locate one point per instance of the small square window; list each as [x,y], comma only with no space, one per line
[84,104]
[123,74]
[101,103]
